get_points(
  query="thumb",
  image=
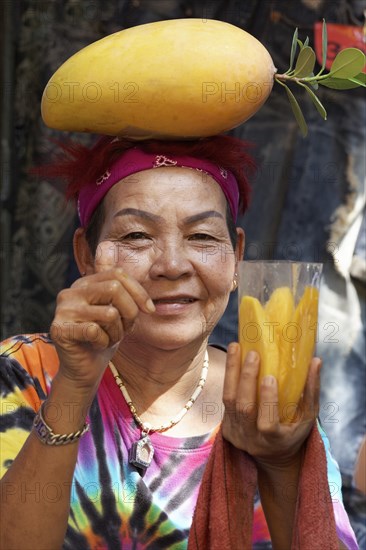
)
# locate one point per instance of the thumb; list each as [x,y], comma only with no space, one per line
[106,256]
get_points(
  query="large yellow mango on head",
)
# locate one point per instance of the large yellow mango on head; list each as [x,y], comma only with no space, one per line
[183,78]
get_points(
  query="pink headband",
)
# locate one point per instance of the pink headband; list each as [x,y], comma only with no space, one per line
[135,160]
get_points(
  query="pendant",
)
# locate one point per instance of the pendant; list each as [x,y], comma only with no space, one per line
[141,452]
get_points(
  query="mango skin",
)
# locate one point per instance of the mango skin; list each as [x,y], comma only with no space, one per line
[183,78]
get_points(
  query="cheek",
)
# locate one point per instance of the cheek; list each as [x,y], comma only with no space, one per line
[218,274]
[220,261]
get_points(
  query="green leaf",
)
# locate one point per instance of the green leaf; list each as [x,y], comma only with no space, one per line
[325,44]
[296,109]
[340,83]
[357,82]
[348,63]
[313,83]
[306,43]
[319,106]
[293,48]
[359,78]
[305,62]
[300,43]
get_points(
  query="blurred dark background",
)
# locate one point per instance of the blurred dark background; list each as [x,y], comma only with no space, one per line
[308,195]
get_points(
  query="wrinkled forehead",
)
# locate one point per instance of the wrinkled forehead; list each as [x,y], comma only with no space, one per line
[136,161]
[165,189]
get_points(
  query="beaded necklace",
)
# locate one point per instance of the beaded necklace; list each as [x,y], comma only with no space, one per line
[142,451]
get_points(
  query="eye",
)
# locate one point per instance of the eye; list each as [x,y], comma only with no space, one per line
[135,235]
[202,237]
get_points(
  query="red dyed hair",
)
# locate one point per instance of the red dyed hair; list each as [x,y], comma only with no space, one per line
[80,164]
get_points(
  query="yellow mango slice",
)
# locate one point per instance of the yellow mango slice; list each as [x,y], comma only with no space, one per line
[280,307]
[255,334]
[303,342]
[284,337]
[280,310]
[172,79]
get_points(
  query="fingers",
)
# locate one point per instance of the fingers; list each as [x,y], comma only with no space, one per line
[264,413]
[105,256]
[237,396]
[240,383]
[121,286]
[247,404]
[110,292]
[75,319]
[106,303]
[108,323]
[256,427]
[89,332]
[102,307]
[232,375]
[268,419]
[117,285]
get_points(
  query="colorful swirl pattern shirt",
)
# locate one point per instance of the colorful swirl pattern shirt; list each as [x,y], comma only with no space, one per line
[112,506]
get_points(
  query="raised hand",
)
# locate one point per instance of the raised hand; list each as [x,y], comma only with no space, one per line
[94,315]
[255,427]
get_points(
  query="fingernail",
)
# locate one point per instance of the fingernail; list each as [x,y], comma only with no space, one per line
[251,357]
[150,305]
[269,381]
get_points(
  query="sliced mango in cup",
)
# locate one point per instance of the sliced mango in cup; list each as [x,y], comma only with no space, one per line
[284,337]
[280,309]
[302,343]
[255,334]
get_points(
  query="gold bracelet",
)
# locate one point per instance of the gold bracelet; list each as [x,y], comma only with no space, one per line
[48,437]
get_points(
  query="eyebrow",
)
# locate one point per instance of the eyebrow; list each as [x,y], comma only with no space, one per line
[155,218]
[140,213]
[203,216]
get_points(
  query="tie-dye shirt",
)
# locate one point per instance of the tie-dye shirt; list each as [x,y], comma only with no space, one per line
[112,505]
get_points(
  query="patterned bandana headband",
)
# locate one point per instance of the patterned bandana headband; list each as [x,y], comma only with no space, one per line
[135,160]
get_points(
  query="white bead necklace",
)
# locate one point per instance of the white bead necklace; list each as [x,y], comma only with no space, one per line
[142,451]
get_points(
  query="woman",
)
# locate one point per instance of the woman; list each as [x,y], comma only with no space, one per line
[128,384]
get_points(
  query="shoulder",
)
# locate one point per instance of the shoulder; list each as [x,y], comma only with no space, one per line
[217,353]
[27,361]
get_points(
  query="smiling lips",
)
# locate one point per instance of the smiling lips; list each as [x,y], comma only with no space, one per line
[175,300]
[173,305]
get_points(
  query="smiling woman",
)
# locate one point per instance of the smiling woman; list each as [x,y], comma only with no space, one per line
[121,389]
[182,255]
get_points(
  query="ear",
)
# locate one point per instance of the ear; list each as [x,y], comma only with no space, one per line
[82,253]
[240,245]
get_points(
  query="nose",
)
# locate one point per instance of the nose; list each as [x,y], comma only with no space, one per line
[171,262]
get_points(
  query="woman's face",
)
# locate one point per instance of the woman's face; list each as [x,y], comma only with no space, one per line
[168,230]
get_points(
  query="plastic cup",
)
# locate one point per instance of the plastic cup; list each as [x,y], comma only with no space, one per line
[278,318]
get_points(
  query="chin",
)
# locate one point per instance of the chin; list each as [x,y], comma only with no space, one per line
[167,338]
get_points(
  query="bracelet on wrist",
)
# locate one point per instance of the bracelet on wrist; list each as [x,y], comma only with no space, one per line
[48,437]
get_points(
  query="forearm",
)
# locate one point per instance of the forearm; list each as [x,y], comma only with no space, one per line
[278,489]
[279,492]
[36,490]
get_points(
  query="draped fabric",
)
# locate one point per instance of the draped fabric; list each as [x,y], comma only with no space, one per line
[308,198]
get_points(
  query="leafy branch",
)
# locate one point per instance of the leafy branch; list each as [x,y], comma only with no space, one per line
[345,73]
